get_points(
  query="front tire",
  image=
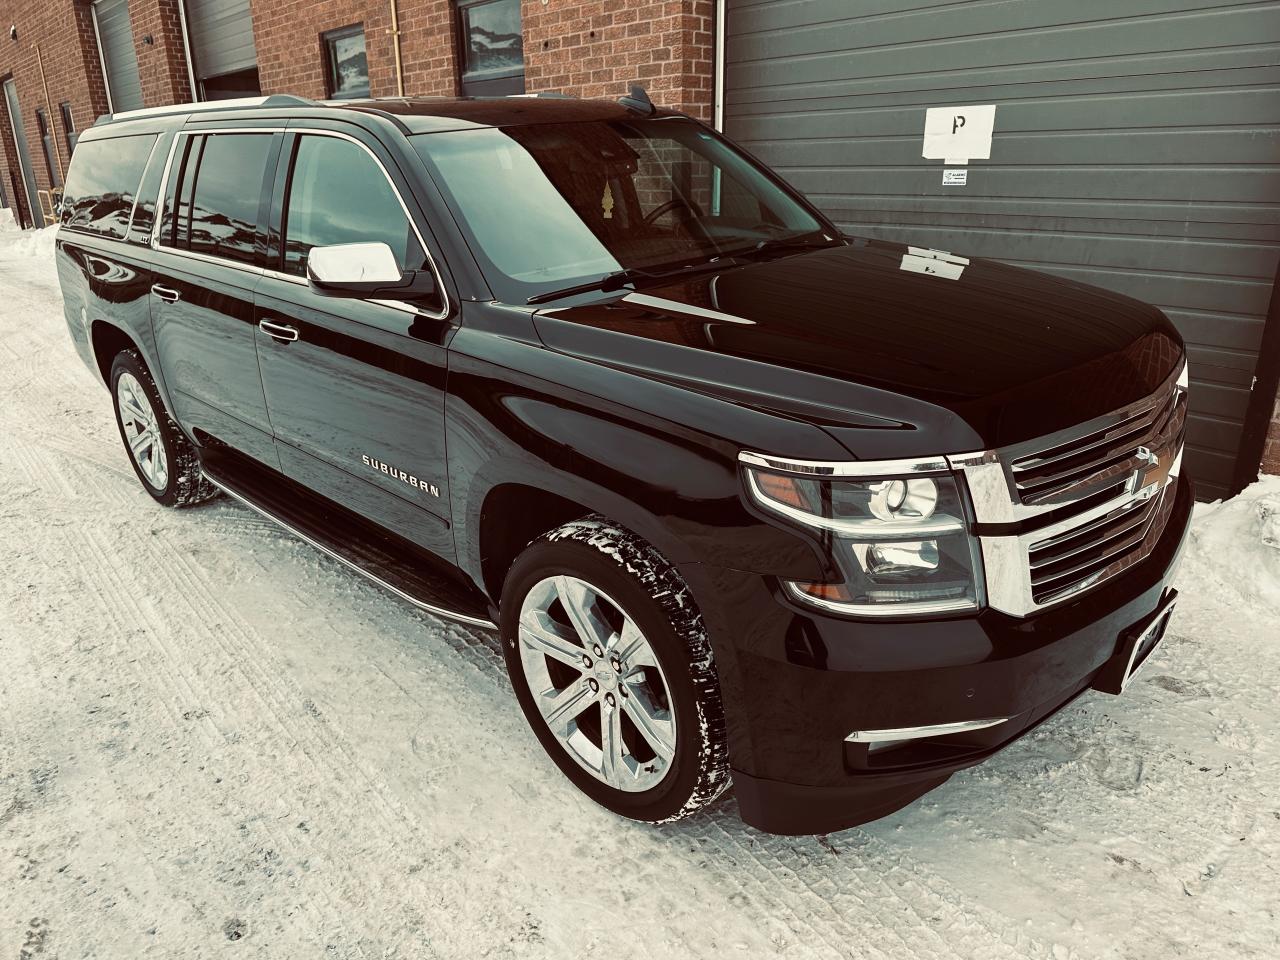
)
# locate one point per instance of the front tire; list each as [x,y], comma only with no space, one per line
[162,456]
[612,666]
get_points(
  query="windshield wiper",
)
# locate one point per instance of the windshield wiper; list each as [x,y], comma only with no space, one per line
[621,278]
[798,242]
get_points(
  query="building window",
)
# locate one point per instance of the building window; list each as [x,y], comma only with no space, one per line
[46,142]
[69,133]
[492,42]
[348,66]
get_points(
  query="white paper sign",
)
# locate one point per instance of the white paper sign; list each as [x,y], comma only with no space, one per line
[934,263]
[931,267]
[958,134]
[955,178]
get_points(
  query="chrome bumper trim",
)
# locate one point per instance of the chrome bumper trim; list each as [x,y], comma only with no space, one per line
[920,733]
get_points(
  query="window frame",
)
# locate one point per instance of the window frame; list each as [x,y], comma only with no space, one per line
[142,175]
[327,39]
[272,229]
[70,135]
[45,125]
[281,211]
[463,48]
[163,197]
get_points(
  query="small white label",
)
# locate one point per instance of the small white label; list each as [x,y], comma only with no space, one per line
[958,134]
[955,178]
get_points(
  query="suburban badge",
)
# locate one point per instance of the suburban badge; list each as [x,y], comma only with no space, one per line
[400,475]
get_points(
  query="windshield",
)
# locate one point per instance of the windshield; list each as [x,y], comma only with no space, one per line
[549,205]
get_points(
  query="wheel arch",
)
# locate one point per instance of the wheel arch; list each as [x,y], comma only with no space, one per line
[107,341]
[515,512]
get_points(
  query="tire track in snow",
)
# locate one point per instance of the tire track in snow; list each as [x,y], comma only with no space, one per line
[99,569]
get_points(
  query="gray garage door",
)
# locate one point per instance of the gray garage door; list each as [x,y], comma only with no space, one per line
[119,59]
[1136,147]
[221,36]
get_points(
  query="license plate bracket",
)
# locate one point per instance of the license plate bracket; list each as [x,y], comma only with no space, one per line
[1135,648]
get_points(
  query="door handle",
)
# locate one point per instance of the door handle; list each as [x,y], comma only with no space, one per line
[278,331]
[166,294]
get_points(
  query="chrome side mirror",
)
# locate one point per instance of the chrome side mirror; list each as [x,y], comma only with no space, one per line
[366,271]
[346,263]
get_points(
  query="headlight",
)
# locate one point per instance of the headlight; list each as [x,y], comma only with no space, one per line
[902,543]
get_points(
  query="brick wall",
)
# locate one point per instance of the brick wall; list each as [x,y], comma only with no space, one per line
[290,51]
[592,49]
[63,31]
[162,64]
[595,49]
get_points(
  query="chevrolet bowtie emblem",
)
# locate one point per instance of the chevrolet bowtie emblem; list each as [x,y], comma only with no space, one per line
[1147,481]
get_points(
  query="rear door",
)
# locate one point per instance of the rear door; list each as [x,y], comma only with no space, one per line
[209,250]
[355,388]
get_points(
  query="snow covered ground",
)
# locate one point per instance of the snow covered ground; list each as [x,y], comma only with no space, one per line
[215,742]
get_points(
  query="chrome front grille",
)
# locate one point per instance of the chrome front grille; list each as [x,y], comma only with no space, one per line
[1100,459]
[1077,559]
[1089,502]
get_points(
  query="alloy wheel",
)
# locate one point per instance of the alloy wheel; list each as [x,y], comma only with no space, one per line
[597,683]
[142,431]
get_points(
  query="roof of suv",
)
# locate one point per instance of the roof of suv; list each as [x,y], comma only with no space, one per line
[412,114]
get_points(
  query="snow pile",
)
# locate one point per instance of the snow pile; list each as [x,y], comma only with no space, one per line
[7,221]
[26,244]
[1234,549]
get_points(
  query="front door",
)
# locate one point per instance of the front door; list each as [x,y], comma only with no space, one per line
[24,153]
[206,268]
[355,388]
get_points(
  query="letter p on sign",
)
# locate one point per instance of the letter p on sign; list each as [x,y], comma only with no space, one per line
[958,134]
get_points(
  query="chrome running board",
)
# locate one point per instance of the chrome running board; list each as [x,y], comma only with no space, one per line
[409,578]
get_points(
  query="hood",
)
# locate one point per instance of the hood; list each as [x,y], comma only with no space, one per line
[945,353]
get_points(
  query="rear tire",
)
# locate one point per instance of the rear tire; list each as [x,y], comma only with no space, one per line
[605,646]
[162,456]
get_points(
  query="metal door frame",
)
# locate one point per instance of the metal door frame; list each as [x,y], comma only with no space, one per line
[102,59]
[21,147]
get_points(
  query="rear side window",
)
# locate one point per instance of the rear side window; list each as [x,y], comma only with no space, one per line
[219,187]
[102,184]
[339,194]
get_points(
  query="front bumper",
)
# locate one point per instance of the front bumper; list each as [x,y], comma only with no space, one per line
[797,683]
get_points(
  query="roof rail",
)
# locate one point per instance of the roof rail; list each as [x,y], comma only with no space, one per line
[209,106]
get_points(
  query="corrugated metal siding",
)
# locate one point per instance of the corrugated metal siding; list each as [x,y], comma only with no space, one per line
[221,36]
[1137,147]
[115,33]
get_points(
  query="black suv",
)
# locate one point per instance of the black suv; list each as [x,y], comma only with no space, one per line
[748,500]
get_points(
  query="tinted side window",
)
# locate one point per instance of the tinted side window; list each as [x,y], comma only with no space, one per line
[221,205]
[339,194]
[103,182]
[144,212]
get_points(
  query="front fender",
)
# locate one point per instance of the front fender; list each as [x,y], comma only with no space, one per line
[519,413]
